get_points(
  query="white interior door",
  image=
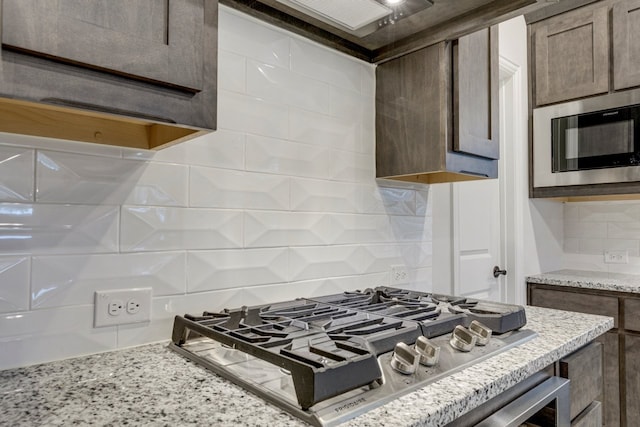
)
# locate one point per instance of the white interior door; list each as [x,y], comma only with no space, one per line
[477,225]
[476,236]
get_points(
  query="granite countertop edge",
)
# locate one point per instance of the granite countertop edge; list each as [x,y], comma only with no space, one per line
[600,280]
[153,385]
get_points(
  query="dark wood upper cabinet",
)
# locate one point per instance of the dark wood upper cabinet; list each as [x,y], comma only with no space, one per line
[626,50]
[475,96]
[570,55]
[138,74]
[416,119]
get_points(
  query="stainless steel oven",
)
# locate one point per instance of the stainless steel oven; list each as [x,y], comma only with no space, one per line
[590,141]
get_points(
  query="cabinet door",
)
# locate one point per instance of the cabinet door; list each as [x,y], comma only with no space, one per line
[156,40]
[571,55]
[626,49]
[611,376]
[475,100]
[632,378]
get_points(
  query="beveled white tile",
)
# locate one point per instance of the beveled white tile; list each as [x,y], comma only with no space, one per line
[571,245]
[55,229]
[610,212]
[378,258]
[222,148]
[31,337]
[368,79]
[232,72]
[241,35]
[388,200]
[75,178]
[352,229]
[325,131]
[288,158]
[274,229]
[325,65]
[221,188]
[60,145]
[158,229]
[324,196]
[586,229]
[348,104]
[281,86]
[621,230]
[14,284]
[592,246]
[411,228]
[424,202]
[421,279]
[211,270]
[354,167]
[72,280]
[571,212]
[314,262]
[245,113]
[16,169]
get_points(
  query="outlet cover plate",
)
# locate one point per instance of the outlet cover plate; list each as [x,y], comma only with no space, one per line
[106,314]
[399,275]
[616,257]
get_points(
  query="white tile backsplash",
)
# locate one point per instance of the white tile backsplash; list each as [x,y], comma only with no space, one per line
[16,170]
[14,284]
[280,202]
[76,178]
[211,270]
[72,280]
[591,228]
[48,229]
[146,229]
[220,188]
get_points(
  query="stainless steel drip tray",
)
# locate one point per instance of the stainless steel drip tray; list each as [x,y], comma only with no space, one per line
[275,384]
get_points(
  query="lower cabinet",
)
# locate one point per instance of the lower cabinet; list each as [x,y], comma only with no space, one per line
[621,345]
[632,379]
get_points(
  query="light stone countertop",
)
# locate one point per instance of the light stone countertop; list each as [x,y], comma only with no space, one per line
[602,280]
[151,385]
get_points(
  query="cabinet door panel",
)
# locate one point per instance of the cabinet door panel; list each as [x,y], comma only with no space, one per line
[571,56]
[156,40]
[475,66]
[632,378]
[626,49]
[611,375]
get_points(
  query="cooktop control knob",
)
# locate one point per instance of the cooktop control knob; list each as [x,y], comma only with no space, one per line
[404,359]
[482,333]
[429,352]
[462,339]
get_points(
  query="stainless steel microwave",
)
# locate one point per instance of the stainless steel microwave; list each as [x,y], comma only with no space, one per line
[590,141]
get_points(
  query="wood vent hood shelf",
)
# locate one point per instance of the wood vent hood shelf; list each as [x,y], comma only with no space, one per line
[435,177]
[53,121]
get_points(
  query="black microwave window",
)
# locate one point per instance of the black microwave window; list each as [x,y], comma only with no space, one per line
[602,139]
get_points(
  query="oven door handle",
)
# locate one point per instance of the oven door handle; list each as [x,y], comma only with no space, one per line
[525,406]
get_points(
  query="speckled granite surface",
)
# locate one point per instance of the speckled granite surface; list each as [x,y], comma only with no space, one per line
[150,385]
[590,279]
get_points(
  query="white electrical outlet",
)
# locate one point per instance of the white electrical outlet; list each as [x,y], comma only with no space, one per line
[616,257]
[399,275]
[122,306]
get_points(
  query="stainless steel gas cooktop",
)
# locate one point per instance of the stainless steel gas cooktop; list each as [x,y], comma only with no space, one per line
[331,358]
